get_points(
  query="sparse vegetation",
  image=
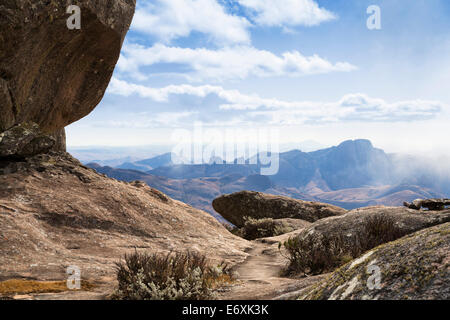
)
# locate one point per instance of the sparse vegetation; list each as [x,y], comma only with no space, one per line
[233,229]
[316,253]
[262,228]
[175,276]
[377,229]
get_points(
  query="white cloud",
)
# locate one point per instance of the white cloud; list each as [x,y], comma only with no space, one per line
[352,107]
[171,19]
[287,12]
[161,119]
[227,63]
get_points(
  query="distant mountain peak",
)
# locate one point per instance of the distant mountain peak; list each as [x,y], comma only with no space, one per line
[364,143]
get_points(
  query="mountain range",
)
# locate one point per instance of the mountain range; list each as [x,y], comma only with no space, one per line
[351,175]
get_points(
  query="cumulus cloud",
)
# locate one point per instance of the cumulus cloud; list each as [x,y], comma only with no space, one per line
[287,13]
[237,62]
[171,19]
[352,107]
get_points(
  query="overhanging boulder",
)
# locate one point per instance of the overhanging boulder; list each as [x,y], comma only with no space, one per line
[52,76]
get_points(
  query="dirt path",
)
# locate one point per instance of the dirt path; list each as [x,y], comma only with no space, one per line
[259,278]
[260,274]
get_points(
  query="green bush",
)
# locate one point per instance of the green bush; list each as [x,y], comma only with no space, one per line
[263,228]
[175,276]
[319,253]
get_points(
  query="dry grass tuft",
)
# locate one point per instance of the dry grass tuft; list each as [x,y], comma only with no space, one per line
[19,286]
[319,253]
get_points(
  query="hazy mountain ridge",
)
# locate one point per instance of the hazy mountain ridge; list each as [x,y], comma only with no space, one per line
[352,164]
[351,175]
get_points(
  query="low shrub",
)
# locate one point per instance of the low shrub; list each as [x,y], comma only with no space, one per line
[233,229]
[263,228]
[316,253]
[175,276]
[377,229]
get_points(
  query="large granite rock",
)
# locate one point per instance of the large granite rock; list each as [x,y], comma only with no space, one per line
[406,220]
[430,204]
[234,207]
[414,267]
[53,76]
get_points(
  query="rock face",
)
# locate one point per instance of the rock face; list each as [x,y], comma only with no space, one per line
[234,207]
[52,76]
[55,212]
[26,139]
[414,267]
[353,164]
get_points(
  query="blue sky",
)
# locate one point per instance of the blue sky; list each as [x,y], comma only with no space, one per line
[309,68]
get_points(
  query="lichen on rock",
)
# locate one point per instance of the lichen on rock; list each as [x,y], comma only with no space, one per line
[414,267]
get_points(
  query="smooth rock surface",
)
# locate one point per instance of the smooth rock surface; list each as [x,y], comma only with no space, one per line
[55,212]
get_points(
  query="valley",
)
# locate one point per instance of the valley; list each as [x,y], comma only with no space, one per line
[351,175]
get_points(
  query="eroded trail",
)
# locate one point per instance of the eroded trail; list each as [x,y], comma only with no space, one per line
[260,274]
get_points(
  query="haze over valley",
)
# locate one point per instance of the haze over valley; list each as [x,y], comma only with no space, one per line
[351,175]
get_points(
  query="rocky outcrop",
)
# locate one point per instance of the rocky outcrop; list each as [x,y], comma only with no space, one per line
[350,224]
[26,139]
[414,267]
[51,76]
[55,212]
[430,204]
[234,207]
[329,243]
